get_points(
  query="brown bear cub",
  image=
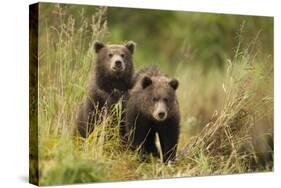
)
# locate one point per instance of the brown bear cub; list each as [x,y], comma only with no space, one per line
[153,108]
[113,77]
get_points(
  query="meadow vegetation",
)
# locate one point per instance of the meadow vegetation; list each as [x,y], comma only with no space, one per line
[226,109]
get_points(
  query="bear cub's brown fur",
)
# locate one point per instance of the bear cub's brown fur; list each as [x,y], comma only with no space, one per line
[113,77]
[153,108]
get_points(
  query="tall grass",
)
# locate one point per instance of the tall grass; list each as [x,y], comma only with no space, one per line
[239,137]
[227,118]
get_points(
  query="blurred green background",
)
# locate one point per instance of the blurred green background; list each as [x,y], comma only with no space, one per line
[168,36]
[172,37]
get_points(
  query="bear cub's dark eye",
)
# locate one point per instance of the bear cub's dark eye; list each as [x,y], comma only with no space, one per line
[155,99]
[110,55]
[122,55]
[166,100]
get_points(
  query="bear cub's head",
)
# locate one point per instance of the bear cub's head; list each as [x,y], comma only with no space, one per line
[115,60]
[160,95]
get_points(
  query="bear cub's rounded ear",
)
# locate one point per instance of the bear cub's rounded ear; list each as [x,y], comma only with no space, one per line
[174,84]
[131,45]
[146,81]
[98,46]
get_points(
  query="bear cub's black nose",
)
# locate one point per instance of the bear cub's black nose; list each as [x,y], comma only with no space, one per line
[118,64]
[161,114]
